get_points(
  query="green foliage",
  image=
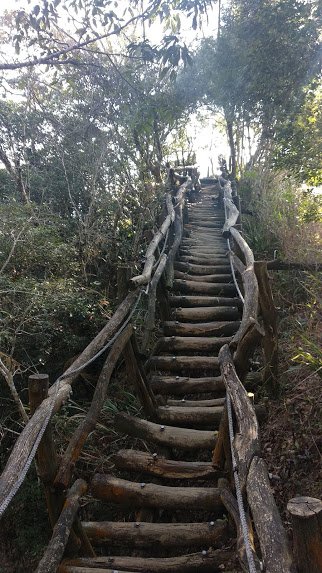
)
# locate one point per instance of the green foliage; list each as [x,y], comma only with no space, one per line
[49,320]
[255,72]
[35,243]
[299,139]
[25,539]
[285,219]
[308,328]
[93,21]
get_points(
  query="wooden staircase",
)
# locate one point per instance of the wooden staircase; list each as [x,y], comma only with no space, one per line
[178,522]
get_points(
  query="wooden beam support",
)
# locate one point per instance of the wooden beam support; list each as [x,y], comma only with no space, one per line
[55,550]
[139,381]
[270,339]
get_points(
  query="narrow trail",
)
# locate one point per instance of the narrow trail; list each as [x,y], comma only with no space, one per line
[170,488]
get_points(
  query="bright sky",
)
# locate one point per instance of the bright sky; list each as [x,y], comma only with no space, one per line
[209,140]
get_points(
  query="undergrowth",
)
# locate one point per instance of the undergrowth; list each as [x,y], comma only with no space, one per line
[287,223]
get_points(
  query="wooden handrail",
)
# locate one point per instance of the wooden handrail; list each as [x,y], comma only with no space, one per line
[253,473]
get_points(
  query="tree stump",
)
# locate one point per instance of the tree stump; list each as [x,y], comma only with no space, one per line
[306,518]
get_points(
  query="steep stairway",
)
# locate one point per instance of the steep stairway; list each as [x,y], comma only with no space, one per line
[172,517]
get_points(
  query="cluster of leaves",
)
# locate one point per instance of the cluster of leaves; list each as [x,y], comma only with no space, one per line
[256,72]
[41,27]
[82,155]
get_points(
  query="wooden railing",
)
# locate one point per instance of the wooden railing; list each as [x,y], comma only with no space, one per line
[115,339]
[251,470]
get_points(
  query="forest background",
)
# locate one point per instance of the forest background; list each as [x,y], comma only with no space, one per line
[96,97]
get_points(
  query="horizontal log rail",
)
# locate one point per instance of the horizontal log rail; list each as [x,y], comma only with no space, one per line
[250,471]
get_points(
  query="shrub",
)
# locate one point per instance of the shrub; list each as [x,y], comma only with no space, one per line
[285,219]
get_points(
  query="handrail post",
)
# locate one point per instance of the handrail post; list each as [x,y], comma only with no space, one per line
[47,467]
[306,519]
[46,459]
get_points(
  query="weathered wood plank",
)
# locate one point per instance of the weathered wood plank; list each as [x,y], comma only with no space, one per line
[156,534]
[137,461]
[200,562]
[176,328]
[165,435]
[123,492]
[54,551]
[190,343]
[178,363]
[207,313]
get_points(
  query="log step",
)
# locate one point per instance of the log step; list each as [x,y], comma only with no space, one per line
[190,343]
[173,328]
[111,489]
[195,301]
[163,435]
[204,287]
[215,260]
[156,534]
[201,562]
[227,278]
[198,417]
[183,385]
[206,314]
[202,270]
[195,417]
[178,363]
[183,403]
[137,461]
